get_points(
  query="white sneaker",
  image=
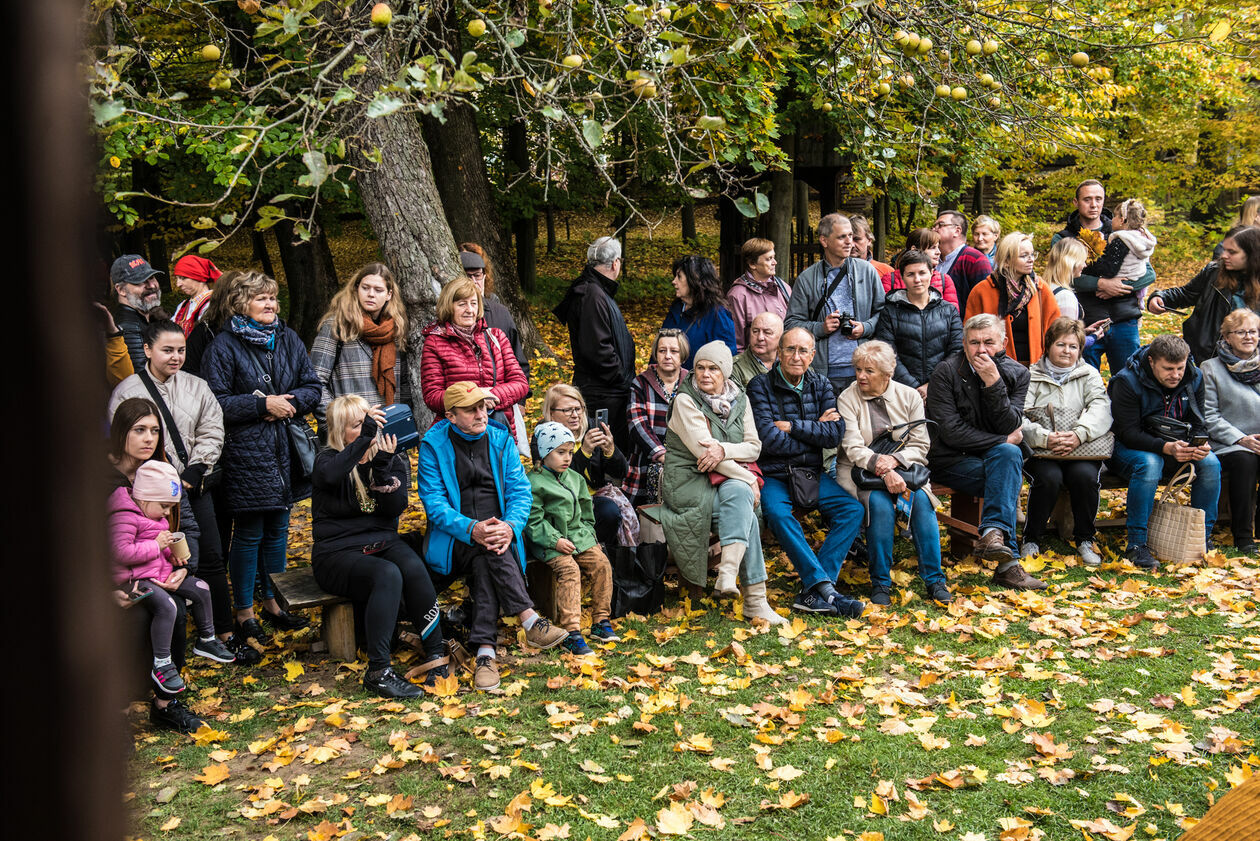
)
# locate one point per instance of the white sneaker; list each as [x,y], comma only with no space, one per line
[1029,550]
[1089,553]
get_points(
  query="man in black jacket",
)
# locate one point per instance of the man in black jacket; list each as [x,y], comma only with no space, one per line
[1157,416]
[795,411]
[976,399]
[139,299]
[603,349]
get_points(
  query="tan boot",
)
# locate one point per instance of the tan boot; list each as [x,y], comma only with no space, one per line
[756,606]
[726,584]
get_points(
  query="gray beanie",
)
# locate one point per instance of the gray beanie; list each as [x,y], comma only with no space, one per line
[717,353]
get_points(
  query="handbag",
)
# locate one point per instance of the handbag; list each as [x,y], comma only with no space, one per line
[716,478]
[1165,428]
[1062,419]
[638,578]
[214,476]
[802,481]
[401,423]
[1177,533]
[303,441]
[885,444]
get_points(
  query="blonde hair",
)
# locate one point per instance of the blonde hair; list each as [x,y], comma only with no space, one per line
[346,313]
[246,288]
[1250,212]
[881,353]
[1008,253]
[219,307]
[1062,261]
[457,290]
[1237,318]
[989,222]
[474,248]
[341,410]
[557,391]
[1133,212]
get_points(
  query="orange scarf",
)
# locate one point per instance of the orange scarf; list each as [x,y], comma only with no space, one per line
[384,356]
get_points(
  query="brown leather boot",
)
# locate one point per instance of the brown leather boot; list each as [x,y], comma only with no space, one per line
[1017,578]
[991,546]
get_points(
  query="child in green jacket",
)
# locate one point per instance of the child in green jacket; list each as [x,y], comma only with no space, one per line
[561,533]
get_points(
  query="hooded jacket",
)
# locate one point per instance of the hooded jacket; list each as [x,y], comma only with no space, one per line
[747,303]
[921,337]
[1211,304]
[562,508]
[603,349]
[1094,308]
[972,418]
[1136,395]
[487,360]
[1083,391]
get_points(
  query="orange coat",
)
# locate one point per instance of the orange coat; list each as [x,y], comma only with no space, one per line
[1042,311]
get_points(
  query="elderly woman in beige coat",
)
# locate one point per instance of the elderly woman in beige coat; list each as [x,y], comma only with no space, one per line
[707,484]
[1062,380]
[872,405]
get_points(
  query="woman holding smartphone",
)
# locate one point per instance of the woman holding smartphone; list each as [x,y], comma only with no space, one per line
[599,460]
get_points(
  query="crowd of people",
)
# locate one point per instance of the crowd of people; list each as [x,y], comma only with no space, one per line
[848,392]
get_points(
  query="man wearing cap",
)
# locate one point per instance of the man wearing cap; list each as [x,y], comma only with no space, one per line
[139,299]
[477,500]
[193,276]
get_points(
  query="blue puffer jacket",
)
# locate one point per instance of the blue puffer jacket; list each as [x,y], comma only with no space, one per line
[256,465]
[803,446]
[438,487]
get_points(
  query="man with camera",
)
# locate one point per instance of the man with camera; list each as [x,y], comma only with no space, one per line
[837,300]
[795,411]
[1157,411]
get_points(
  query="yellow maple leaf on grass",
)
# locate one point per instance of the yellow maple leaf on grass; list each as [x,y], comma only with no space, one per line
[212,775]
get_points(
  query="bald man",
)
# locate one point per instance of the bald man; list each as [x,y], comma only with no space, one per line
[762,351]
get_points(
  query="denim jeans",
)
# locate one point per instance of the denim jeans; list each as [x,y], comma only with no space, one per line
[842,514]
[260,539]
[1144,470]
[1120,342]
[735,521]
[997,477]
[925,533]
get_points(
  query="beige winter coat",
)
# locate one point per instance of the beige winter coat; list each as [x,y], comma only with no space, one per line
[903,404]
[196,412]
[1083,391]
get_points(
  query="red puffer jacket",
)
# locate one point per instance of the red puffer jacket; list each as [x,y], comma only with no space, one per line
[488,361]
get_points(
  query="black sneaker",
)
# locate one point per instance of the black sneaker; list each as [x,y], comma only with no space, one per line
[1141,557]
[845,606]
[214,649]
[808,601]
[252,628]
[167,678]
[284,621]
[245,654]
[879,595]
[939,592]
[175,716]
[389,684]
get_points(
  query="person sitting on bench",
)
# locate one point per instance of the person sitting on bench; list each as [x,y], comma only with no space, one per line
[477,500]
[976,399]
[359,490]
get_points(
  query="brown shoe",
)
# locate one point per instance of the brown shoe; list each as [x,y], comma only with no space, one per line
[486,675]
[544,635]
[1017,578]
[991,546]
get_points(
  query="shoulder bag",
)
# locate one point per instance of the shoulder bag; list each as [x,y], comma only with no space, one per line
[303,441]
[215,475]
[1062,419]
[802,481]
[886,444]
[822,302]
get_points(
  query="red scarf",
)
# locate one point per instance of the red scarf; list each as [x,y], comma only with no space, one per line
[380,337]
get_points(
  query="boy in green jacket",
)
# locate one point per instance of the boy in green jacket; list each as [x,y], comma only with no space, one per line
[561,533]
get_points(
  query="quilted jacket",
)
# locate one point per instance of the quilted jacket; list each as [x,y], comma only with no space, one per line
[133,541]
[921,337]
[773,399]
[488,361]
[256,457]
[195,410]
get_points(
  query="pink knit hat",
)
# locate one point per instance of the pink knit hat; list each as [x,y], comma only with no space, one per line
[156,481]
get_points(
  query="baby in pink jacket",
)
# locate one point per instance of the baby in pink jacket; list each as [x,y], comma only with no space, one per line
[140,540]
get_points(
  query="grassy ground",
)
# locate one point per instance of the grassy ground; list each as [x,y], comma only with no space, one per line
[1117,704]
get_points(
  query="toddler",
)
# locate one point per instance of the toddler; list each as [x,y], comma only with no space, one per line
[561,533]
[140,539]
[1128,248]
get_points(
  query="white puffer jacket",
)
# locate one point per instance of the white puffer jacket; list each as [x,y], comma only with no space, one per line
[193,406]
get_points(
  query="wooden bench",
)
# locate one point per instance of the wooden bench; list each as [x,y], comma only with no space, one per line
[296,590]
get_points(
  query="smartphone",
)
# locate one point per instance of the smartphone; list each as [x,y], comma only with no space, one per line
[1198,440]
[258,393]
[601,417]
[137,595]
[1105,326]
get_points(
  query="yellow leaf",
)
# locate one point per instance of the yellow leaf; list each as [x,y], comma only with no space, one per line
[206,735]
[943,825]
[786,773]
[871,836]
[676,820]
[222,755]
[212,775]
[171,824]
[635,831]
[293,671]
[551,831]
[1219,31]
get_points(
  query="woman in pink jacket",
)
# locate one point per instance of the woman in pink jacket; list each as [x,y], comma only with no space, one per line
[757,290]
[459,346]
[145,567]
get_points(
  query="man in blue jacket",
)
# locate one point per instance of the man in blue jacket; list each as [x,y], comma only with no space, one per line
[477,499]
[795,411]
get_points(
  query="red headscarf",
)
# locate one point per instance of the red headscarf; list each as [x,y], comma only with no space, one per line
[196,268]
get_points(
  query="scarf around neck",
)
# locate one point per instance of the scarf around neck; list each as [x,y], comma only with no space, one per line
[1059,375]
[1019,292]
[380,338]
[248,330]
[1246,371]
[722,402]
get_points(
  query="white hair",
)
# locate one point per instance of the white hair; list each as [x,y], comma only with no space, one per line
[603,251]
[985,321]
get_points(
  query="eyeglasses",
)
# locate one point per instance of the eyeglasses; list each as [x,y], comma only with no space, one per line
[944,224]
[1245,333]
[1032,256]
[797,351]
[572,411]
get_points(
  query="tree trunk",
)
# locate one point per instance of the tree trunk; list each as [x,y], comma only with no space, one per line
[800,209]
[402,203]
[551,230]
[261,255]
[782,196]
[517,151]
[459,171]
[309,273]
[689,222]
[951,190]
[880,225]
